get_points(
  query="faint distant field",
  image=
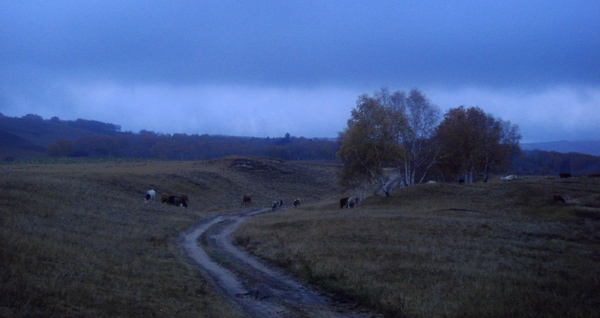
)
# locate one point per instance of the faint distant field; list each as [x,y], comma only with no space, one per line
[78,241]
[448,250]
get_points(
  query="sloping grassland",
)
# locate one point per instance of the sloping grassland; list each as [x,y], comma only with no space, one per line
[77,239]
[449,250]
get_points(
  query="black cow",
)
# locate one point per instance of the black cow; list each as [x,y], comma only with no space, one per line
[247,199]
[177,201]
[343,203]
[564,175]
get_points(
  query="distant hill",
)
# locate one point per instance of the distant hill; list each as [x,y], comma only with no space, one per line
[11,145]
[591,147]
[31,135]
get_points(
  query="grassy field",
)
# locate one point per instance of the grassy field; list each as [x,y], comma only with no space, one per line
[76,239]
[448,250]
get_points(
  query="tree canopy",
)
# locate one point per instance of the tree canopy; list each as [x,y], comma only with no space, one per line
[369,143]
[404,131]
[475,142]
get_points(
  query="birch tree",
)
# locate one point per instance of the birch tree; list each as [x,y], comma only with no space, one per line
[421,151]
[368,143]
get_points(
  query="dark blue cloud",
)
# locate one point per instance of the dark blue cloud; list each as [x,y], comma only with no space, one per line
[47,48]
[308,42]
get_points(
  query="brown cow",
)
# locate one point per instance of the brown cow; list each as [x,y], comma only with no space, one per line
[247,199]
[558,198]
[165,197]
[297,202]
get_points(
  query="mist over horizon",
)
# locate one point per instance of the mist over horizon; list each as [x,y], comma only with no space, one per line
[265,69]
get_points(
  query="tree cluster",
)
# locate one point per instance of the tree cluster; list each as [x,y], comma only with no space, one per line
[474,142]
[405,131]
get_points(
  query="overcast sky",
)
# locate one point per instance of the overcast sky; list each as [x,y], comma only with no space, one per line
[267,68]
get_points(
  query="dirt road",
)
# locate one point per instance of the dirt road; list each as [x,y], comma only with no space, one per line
[256,288]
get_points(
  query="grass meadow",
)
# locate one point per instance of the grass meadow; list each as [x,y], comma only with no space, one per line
[76,239]
[448,250]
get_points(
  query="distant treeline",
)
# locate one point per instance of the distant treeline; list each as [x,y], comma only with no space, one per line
[107,141]
[151,145]
[84,124]
[537,162]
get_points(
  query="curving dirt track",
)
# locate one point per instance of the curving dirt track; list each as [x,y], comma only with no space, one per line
[257,289]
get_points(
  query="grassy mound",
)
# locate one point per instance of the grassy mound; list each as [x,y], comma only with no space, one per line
[449,250]
[77,239]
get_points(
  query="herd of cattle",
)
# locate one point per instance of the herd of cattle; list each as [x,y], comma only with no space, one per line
[348,202]
[182,200]
[176,200]
[247,200]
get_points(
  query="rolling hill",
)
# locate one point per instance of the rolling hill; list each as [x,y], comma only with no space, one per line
[31,135]
[591,147]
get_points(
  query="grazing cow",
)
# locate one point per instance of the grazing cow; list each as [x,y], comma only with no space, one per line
[280,203]
[149,196]
[247,199]
[165,198]
[177,201]
[353,202]
[274,205]
[564,175]
[558,198]
[508,178]
[343,203]
[297,202]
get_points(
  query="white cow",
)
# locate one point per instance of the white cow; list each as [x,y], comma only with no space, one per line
[508,178]
[150,196]
[353,202]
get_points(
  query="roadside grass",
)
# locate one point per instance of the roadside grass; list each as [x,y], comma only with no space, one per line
[78,241]
[448,250]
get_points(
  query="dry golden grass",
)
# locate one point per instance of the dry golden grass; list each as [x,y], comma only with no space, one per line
[78,241]
[449,250]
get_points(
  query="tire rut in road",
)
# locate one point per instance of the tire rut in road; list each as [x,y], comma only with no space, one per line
[257,289]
